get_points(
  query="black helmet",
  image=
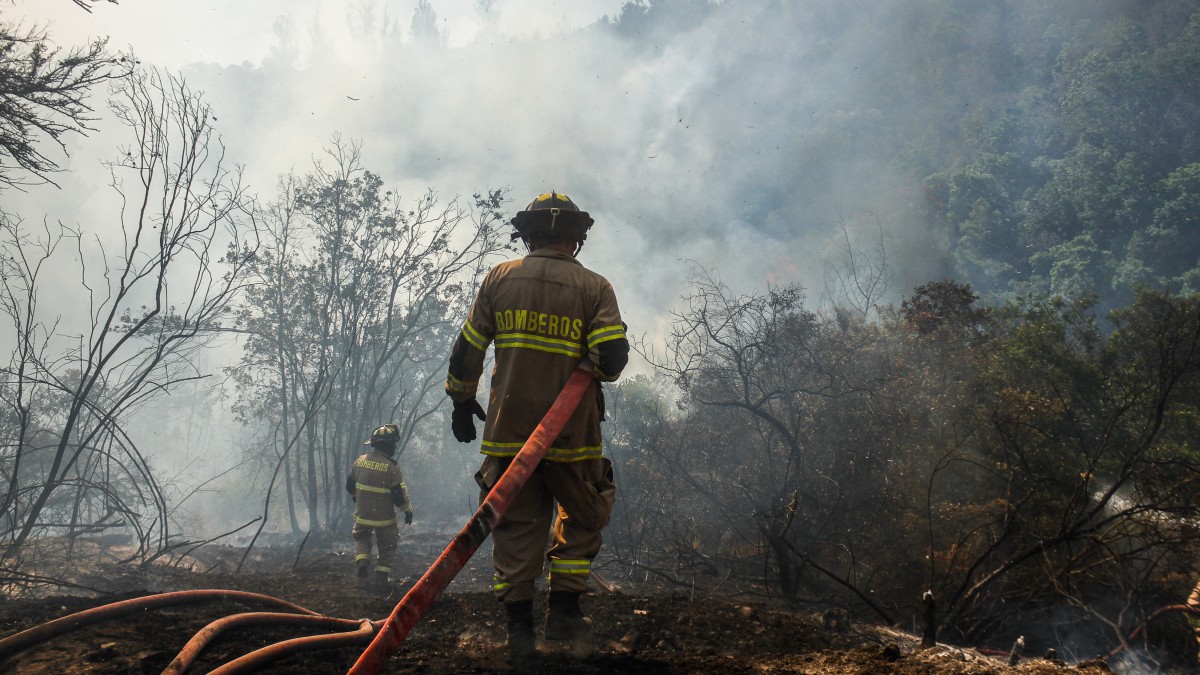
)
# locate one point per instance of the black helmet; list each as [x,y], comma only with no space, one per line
[552,216]
[388,434]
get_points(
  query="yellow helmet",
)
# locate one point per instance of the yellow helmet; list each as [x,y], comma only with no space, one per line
[552,215]
[388,434]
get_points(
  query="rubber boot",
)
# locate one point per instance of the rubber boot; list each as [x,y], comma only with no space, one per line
[363,568]
[520,630]
[383,585]
[565,620]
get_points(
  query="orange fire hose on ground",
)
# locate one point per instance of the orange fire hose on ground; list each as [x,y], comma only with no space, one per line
[254,661]
[19,641]
[416,603]
[192,649]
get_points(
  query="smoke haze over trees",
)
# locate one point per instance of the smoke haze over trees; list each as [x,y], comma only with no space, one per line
[357,295]
[916,284]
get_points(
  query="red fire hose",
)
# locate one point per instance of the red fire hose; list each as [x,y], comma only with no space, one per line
[419,599]
[26,638]
[192,649]
[255,660]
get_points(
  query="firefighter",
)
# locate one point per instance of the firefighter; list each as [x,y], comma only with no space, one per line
[1193,604]
[376,484]
[545,313]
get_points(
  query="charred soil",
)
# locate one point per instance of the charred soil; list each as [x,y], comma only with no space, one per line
[635,632]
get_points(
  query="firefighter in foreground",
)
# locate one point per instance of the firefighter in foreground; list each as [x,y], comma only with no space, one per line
[545,313]
[376,484]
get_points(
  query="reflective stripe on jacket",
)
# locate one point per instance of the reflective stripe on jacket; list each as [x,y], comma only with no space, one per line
[375,476]
[544,313]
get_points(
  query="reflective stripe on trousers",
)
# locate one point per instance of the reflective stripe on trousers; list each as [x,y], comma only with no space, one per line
[566,566]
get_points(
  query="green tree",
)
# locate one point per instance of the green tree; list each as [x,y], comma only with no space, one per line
[424,28]
[1085,486]
[1166,253]
[1069,120]
[945,306]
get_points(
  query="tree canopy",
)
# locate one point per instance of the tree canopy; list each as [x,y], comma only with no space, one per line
[44,96]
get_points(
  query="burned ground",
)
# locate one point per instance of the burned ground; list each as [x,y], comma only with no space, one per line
[636,630]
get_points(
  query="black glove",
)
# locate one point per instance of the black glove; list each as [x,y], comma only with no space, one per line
[460,420]
[408,517]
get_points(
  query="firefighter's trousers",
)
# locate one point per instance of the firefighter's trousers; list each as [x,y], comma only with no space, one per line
[1193,601]
[584,492]
[386,538]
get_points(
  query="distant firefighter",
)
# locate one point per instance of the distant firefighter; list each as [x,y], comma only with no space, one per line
[376,484]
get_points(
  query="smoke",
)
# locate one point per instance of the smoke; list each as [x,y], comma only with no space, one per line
[1137,662]
[741,136]
[744,137]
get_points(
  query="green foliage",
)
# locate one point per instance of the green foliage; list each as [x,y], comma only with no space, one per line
[1070,174]
[944,306]
[1017,461]
[1166,253]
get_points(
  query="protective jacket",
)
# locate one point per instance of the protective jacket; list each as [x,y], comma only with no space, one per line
[545,313]
[377,484]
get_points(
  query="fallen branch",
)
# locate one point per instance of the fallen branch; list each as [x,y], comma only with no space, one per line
[1186,609]
[13,576]
[219,536]
[300,550]
[869,602]
[718,586]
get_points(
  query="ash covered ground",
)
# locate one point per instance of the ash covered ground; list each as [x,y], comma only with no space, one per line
[637,630]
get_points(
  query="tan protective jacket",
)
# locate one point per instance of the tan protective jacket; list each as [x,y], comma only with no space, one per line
[545,313]
[376,477]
